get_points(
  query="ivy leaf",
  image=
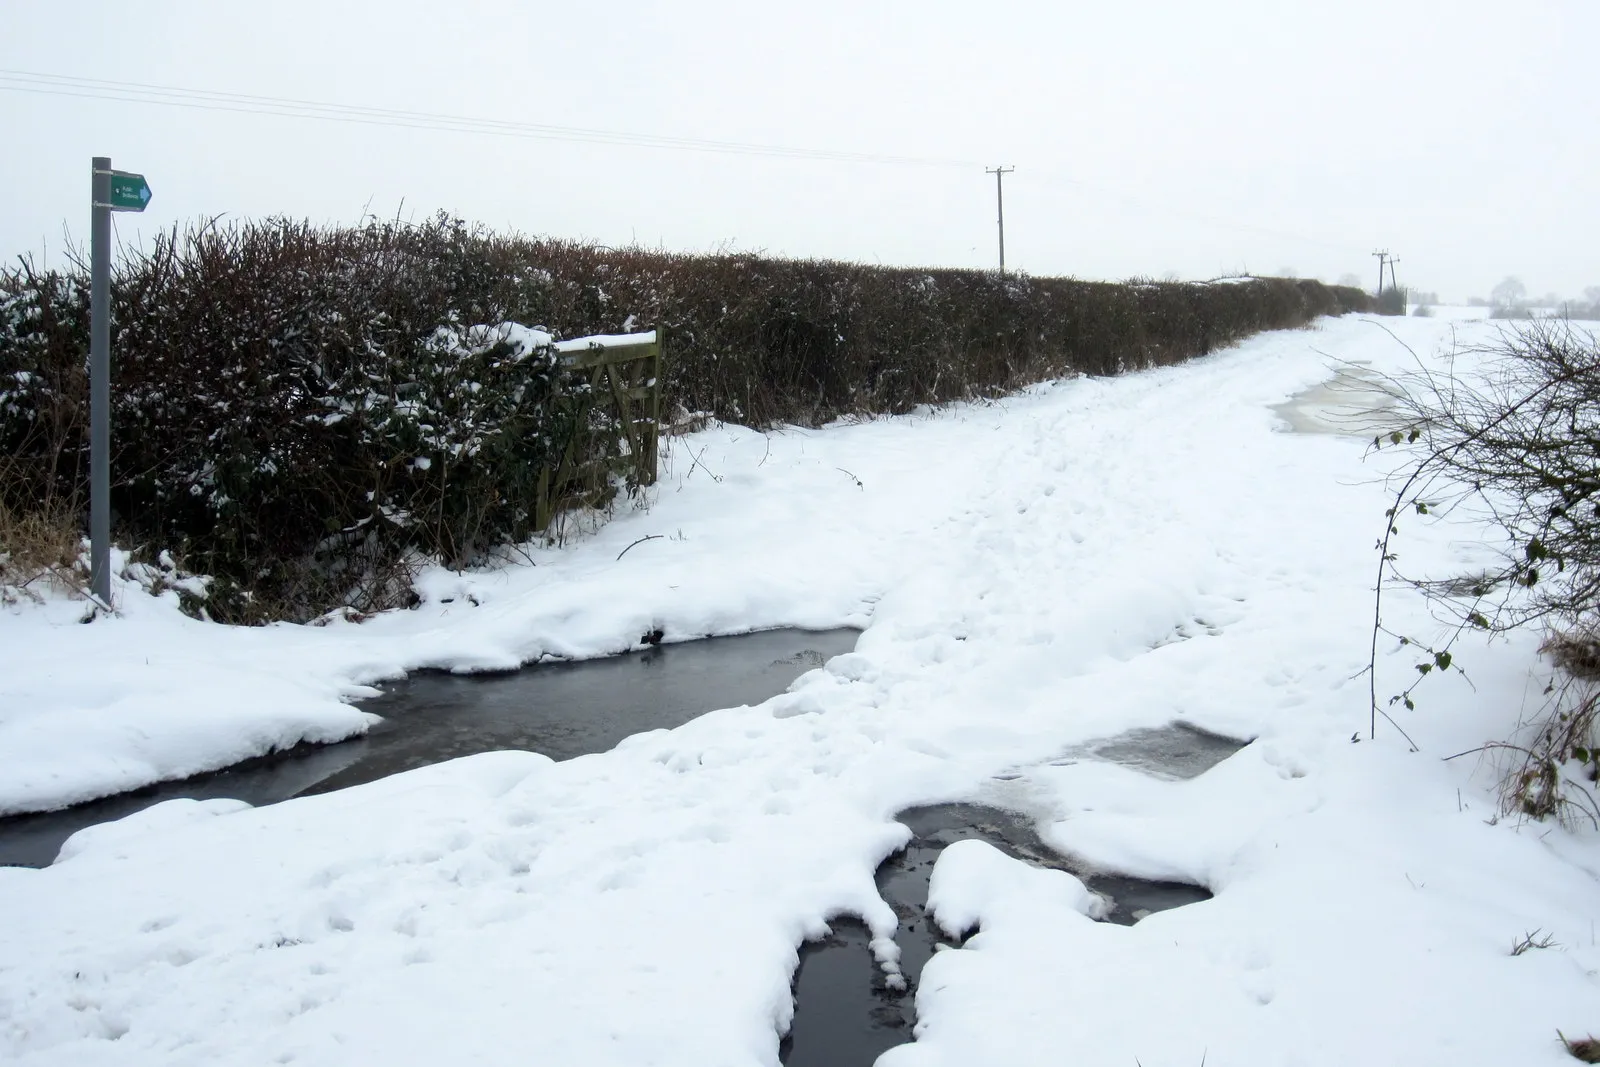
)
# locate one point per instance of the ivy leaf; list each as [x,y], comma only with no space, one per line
[1477,619]
[1409,705]
[1397,437]
[1443,660]
[1411,438]
[1424,668]
[1581,754]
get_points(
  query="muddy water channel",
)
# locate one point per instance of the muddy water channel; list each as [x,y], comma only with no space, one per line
[845,1013]
[561,710]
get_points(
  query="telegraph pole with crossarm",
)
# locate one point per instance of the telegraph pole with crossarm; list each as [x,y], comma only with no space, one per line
[1000,207]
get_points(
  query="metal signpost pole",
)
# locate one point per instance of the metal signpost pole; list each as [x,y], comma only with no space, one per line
[110,190]
[100,384]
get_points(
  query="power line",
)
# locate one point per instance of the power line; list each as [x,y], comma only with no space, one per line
[288,107]
[38,83]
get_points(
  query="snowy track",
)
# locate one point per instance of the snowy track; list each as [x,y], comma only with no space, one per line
[1090,557]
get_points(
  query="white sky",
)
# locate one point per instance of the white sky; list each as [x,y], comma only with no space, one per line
[1148,137]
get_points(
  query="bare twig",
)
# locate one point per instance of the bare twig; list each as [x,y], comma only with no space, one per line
[695,462]
[642,540]
[1531,939]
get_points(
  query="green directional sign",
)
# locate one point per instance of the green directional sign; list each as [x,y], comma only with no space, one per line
[129,192]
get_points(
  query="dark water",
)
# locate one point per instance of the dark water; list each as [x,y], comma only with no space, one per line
[845,1013]
[1175,751]
[562,710]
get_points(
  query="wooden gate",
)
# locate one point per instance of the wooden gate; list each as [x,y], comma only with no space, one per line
[614,389]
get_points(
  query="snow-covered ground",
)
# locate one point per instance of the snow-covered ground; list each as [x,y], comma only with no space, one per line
[1089,557]
[1576,312]
[1458,312]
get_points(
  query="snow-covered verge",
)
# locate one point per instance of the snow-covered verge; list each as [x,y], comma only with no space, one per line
[1457,312]
[1089,557]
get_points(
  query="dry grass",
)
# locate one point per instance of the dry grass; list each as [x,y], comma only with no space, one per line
[38,551]
[1583,1049]
[1538,782]
[1576,651]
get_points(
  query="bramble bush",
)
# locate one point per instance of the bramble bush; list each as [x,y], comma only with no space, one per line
[1515,444]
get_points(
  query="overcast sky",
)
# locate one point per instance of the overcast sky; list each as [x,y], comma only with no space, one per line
[1148,137]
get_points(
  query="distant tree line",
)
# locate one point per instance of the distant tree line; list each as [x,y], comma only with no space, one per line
[1510,300]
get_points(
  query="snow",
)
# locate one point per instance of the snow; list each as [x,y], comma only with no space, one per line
[976,884]
[606,340]
[1085,558]
[1458,312]
[126,832]
[1367,920]
[524,340]
[86,711]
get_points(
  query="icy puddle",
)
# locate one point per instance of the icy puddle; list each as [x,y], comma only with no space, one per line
[1176,751]
[561,710]
[1355,401]
[845,1013]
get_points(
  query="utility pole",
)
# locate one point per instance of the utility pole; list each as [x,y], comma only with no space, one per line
[1000,207]
[1382,258]
[1394,283]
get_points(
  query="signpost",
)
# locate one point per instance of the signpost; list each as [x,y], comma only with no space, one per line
[111,190]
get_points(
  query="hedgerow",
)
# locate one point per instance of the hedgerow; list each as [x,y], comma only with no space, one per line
[301,410]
